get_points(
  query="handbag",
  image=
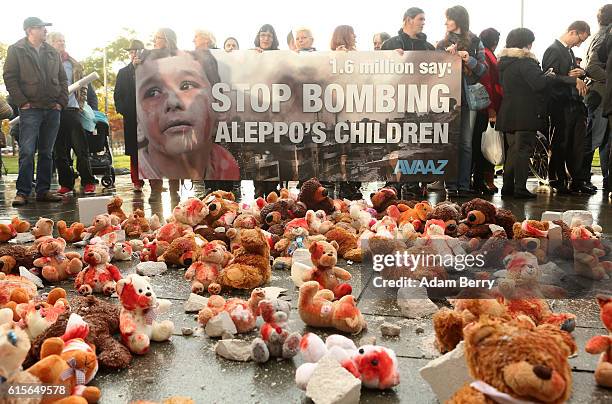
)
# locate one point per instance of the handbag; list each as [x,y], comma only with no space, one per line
[492,145]
[477,97]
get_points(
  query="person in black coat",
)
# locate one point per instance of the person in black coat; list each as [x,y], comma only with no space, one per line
[523,108]
[125,104]
[567,112]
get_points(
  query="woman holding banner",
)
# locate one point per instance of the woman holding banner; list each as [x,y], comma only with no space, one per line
[463,43]
[176,122]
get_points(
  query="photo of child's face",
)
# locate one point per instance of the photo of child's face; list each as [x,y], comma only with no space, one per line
[175,101]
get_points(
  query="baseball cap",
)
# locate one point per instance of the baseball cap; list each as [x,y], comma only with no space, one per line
[32,22]
[135,44]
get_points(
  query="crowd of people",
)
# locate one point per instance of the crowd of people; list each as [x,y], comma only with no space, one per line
[566,99]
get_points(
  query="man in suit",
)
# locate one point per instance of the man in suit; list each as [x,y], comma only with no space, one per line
[567,112]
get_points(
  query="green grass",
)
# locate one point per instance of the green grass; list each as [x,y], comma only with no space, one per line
[11,163]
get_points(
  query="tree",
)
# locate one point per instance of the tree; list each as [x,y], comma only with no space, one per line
[3,49]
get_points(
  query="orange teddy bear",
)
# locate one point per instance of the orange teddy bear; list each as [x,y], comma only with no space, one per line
[603,344]
[324,257]
[9,231]
[69,361]
[55,264]
[71,234]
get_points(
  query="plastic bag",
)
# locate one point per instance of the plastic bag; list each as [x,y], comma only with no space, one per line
[492,145]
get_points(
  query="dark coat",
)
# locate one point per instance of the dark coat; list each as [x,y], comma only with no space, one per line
[40,81]
[605,53]
[561,60]
[125,104]
[405,42]
[525,86]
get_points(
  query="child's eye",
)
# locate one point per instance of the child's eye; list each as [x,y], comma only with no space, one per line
[152,92]
[188,85]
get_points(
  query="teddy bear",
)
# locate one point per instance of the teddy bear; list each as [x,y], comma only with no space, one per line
[242,312]
[136,224]
[478,214]
[39,313]
[324,258]
[9,231]
[317,308]
[348,245]
[602,344]
[246,221]
[71,234]
[449,213]
[377,367]
[360,217]
[317,222]
[515,360]
[274,216]
[24,256]
[152,250]
[101,226]
[171,231]
[588,251]
[122,251]
[102,318]
[99,276]
[42,228]
[81,363]
[505,219]
[221,211]
[113,208]
[211,234]
[15,290]
[55,264]
[183,251]
[434,234]
[205,271]
[275,340]
[385,197]
[251,265]
[532,236]
[14,346]
[416,215]
[295,235]
[140,307]
[315,196]
[190,212]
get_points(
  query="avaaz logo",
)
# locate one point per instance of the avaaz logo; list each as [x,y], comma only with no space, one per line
[412,167]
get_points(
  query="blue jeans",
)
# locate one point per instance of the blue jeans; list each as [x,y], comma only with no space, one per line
[464,152]
[36,127]
[597,138]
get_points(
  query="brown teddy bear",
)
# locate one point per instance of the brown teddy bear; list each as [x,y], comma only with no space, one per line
[314,196]
[588,251]
[251,265]
[478,214]
[23,256]
[505,219]
[136,224]
[274,216]
[221,211]
[56,265]
[385,197]
[9,231]
[348,247]
[103,320]
[317,309]
[101,226]
[113,207]
[205,271]
[449,213]
[211,234]
[183,251]
[71,234]
[516,360]
[531,236]
[42,228]
[324,258]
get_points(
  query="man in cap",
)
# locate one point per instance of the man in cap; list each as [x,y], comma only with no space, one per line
[125,103]
[36,81]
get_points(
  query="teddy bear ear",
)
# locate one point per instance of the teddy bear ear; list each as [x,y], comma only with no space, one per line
[602,300]
[335,245]
[313,247]
[121,283]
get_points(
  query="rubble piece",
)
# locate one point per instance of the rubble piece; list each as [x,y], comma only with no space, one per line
[330,383]
[447,373]
[31,277]
[187,331]
[273,292]
[368,340]
[390,330]
[414,303]
[555,237]
[419,330]
[151,268]
[549,216]
[219,324]
[234,350]
[227,335]
[585,216]
[90,207]
[195,303]
[23,238]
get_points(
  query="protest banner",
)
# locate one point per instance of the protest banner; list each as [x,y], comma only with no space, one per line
[339,116]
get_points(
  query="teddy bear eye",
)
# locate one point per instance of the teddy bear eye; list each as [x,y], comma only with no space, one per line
[139,290]
[361,351]
[12,337]
[148,288]
[374,362]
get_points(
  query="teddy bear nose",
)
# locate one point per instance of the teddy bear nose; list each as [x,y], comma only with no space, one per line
[532,245]
[330,254]
[269,218]
[90,254]
[212,206]
[148,294]
[472,217]
[451,227]
[324,192]
[568,325]
[188,261]
[543,372]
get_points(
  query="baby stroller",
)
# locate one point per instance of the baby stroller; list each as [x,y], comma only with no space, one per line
[100,154]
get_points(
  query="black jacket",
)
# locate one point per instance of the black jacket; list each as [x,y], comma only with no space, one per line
[605,53]
[561,60]
[38,79]
[523,106]
[405,42]
[125,104]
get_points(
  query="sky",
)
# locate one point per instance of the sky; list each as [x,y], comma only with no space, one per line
[86,27]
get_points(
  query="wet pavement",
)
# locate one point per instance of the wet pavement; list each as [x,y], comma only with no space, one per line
[188,366]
